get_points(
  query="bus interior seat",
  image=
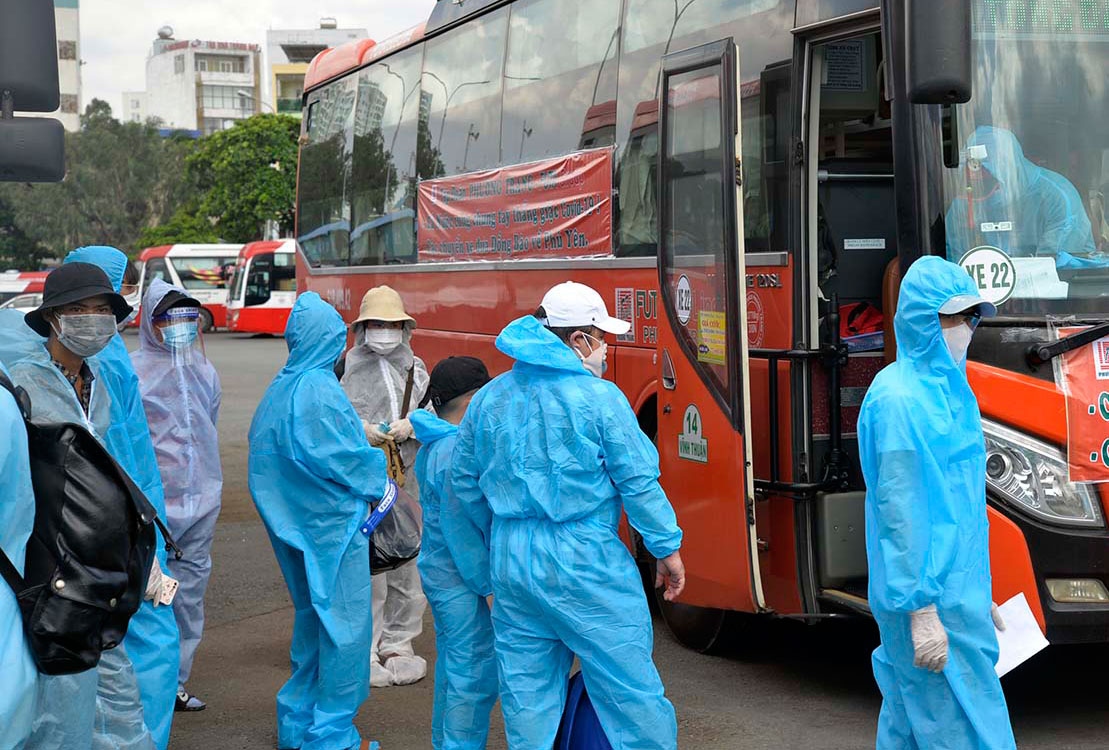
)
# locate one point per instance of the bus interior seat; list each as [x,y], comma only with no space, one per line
[891,289]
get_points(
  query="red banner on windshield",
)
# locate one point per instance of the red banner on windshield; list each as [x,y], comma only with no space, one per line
[1085,373]
[558,208]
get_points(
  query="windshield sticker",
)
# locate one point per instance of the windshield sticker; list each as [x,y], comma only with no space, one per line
[683,300]
[997,226]
[712,337]
[692,445]
[1081,375]
[992,271]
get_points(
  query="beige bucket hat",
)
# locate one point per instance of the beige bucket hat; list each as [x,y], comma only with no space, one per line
[383,303]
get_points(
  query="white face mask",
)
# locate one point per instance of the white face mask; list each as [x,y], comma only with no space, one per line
[383,340]
[597,359]
[958,341]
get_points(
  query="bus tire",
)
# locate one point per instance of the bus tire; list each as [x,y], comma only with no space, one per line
[206,323]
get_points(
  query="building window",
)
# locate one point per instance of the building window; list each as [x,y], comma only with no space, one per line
[214,125]
[227,97]
[67,50]
[220,64]
[178,64]
[135,103]
[69,104]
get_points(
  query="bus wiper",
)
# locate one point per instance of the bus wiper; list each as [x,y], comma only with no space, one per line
[1039,354]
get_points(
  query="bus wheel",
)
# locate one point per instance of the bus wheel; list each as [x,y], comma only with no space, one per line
[206,324]
[699,628]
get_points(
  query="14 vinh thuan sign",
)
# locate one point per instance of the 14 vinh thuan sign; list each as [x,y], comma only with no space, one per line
[558,207]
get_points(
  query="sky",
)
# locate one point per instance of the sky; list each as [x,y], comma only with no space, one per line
[116,35]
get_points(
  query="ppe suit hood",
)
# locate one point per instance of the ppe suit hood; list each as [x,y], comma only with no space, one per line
[1005,160]
[430,428]
[527,340]
[930,282]
[315,334]
[112,261]
[148,339]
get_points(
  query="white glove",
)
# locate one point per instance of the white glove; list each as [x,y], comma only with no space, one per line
[401,430]
[998,623]
[929,639]
[375,434]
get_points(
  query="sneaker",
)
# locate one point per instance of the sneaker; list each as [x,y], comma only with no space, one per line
[186,702]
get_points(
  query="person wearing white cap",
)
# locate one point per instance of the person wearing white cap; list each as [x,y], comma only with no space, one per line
[548,456]
[381,371]
[923,457]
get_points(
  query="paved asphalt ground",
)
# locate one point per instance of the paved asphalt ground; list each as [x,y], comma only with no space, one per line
[786,686]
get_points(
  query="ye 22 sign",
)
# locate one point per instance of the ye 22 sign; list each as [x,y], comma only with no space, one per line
[992,271]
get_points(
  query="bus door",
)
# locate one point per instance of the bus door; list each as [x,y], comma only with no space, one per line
[704,404]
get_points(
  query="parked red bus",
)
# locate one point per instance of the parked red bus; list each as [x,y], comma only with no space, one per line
[203,270]
[16,283]
[771,162]
[263,288]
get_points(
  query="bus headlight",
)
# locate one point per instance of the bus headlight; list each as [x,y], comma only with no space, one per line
[1032,477]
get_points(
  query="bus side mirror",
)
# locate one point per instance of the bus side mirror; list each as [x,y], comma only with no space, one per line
[31,150]
[939,51]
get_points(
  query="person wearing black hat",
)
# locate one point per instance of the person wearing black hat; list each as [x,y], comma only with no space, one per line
[454,567]
[78,318]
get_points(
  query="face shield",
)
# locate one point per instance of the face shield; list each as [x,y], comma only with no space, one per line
[179,330]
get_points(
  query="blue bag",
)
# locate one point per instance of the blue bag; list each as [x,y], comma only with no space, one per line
[580,728]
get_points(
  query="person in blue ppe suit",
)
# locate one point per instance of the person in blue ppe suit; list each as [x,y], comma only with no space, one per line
[924,461]
[1019,207]
[454,567]
[312,474]
[151,640]
[181,397]
[77,320]
[18,674]
[547,457]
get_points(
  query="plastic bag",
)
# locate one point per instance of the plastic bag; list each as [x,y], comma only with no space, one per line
[394,527]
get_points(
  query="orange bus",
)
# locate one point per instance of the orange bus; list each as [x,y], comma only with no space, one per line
[202,270]
[774,165]
[263,287]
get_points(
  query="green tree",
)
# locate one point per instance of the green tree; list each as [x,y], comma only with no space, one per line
[247,176]
[185,226]
[17,250]
[121,179]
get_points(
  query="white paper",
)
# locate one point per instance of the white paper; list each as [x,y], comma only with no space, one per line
[1038,278]
[1021,639]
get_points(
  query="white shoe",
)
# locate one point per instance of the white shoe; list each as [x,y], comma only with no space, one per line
[380,676]
[407,670]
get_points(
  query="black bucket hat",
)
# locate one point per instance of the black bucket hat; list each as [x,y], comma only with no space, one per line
[73,282]
[454,377]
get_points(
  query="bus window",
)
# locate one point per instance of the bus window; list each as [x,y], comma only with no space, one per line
[155,268]
[815,11]
[578,76]
[653,28]
[462,87]
[200,274]
[384,184]
[258,279]
[325,170]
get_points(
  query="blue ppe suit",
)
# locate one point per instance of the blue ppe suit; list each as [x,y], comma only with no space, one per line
[1046,211]
[454,569]
[547,456]
[66,714]
[151,639]
[312,474]
[927,537]
[181,401]
[18,675]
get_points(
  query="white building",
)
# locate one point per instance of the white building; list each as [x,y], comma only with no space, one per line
[68,33]
[201,86]
[288,53]
[134,107]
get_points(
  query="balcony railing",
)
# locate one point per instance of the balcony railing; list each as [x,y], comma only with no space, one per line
[289,106]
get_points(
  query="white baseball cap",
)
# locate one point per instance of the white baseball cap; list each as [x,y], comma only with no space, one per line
[571,305]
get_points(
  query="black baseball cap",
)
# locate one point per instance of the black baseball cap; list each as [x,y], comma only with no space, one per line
[454,377]
[173,298]
[73,282]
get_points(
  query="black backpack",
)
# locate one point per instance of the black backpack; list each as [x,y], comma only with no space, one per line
[90,552]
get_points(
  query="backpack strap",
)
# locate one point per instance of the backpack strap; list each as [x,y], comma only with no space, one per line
[9,573]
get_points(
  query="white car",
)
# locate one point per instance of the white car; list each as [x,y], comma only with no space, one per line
[23,302]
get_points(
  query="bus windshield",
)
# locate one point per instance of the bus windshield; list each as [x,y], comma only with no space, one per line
[1034,155]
